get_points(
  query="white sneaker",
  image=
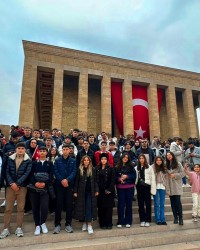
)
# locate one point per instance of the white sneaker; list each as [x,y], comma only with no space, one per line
[90,229]
[37,230]
[15,204]
[84,227]
[119,225]
[19,232]
[147,224]
[44,228]
[187,185]
[142,224]
[195,219]
[4,233]
[128,225]
[3,204]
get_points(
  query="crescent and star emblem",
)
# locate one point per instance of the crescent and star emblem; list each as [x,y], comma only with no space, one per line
[140,102]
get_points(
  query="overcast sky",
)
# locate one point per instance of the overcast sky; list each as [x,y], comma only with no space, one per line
[163,32]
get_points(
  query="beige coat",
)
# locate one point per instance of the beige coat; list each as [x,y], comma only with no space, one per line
[175,184]
[164,180]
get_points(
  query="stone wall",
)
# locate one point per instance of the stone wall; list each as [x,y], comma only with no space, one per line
[70,100]
[94,106]
[99,109]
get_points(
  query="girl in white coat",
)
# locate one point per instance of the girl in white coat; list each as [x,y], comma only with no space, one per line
[146,186]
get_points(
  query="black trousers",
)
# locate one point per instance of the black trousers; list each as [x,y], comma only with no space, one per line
[176,206]
[52,202]
[27,206]
[105,216]
[64,198]
[40,203]
[144,203]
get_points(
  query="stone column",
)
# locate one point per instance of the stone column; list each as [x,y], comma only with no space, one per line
[106,123]
[28,95]
[189,114]
[127,107]
[83,102]
[57,98]
[172,115]
[154,120]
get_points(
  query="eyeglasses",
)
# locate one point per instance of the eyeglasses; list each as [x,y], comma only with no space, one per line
[144,141]
[34,142]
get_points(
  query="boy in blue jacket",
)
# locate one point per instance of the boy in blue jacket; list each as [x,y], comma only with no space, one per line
[65,172]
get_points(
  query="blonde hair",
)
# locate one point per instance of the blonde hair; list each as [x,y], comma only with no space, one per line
[89,168]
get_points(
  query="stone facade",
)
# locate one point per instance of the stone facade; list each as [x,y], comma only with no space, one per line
[82,92]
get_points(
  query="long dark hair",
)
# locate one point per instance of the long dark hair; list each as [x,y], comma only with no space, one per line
[159,168]
[120,162]
[100,164]
[51,156]
[146,165]
[174,163]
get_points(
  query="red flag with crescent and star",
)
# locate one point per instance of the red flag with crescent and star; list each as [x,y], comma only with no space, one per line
[139,105]
[36,154]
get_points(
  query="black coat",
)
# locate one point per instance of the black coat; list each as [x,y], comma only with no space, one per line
[106,182]
[79,188]
[116,157]
[38,167]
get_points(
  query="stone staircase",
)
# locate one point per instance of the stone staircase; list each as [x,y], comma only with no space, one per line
[155,237]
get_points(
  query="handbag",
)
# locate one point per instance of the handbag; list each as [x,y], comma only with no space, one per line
[39,177]
[141,182]
[33,188]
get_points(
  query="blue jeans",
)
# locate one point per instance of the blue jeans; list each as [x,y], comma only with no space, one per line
[125,199]
[159,205]
[88,207]
[184,180]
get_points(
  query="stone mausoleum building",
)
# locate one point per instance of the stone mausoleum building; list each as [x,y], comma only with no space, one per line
[66,88]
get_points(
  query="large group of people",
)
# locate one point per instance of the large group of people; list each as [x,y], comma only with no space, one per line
[83,174]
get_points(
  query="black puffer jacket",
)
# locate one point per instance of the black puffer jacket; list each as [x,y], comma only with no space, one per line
[20,177]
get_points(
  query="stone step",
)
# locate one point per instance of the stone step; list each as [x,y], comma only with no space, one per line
[186,206]
[185,194]
[118,239]
[187,199]
[194,245]
[28,224]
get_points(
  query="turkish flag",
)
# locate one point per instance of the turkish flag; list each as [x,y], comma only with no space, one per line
[36,154]
[139,106]
[117,104]
[140,111]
